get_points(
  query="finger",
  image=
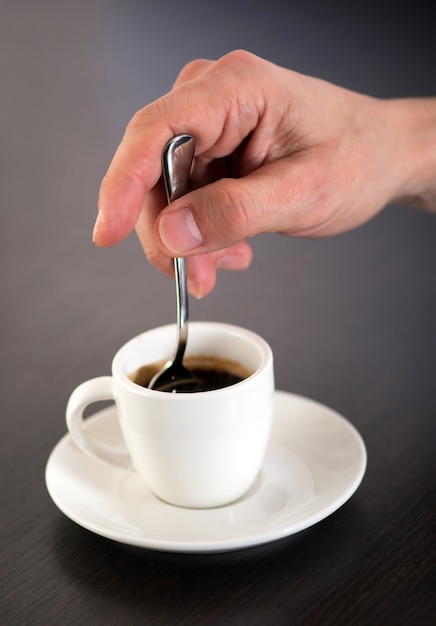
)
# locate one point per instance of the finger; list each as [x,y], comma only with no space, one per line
[201,275]
[202,269]
[236,257]
[133,173]
[207,108]
[284,196]
[152,205]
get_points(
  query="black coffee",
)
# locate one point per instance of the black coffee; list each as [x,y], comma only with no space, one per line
[209,373]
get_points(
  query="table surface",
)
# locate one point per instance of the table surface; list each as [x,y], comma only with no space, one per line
[351,321]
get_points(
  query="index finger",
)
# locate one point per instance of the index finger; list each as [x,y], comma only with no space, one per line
[217,108]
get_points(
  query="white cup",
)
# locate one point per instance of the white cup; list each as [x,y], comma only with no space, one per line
[195,450]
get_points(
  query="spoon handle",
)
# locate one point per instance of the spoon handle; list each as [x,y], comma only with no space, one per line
[177,160]
[182,307]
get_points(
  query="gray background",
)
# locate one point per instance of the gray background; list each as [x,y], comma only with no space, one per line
[72,75]
[350,319]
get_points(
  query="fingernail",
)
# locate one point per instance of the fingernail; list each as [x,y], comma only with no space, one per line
[179,231]
[233,260]
[195,289]
[98,227]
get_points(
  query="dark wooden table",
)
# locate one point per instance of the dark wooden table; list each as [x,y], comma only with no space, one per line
[352,322]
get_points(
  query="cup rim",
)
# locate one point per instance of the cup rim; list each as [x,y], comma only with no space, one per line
[266,358]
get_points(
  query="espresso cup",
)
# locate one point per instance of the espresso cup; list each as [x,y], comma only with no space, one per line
[196,449]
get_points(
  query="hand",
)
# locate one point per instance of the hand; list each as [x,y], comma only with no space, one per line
[276,151]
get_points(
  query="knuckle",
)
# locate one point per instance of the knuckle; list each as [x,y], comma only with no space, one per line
[147,116]
[192,69]
[238,57]
[235,207]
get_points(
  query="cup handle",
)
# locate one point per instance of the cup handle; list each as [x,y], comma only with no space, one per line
[93,390]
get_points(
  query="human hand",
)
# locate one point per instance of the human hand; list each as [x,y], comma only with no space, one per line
[276,151]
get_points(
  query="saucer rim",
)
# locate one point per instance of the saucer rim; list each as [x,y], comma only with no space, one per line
[219,544]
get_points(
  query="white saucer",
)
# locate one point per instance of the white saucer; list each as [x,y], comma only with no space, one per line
[315,461]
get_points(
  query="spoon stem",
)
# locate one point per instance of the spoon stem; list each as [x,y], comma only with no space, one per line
[182,307]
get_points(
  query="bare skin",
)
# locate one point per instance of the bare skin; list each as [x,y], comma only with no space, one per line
[276,151]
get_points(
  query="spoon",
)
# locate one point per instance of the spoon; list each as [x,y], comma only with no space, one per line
[177,160]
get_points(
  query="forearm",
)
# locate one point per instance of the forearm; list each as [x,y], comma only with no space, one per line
[415,121]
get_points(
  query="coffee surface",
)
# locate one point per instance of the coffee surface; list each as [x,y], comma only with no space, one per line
[209,372]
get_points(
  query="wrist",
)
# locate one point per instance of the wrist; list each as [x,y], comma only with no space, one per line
[414,121]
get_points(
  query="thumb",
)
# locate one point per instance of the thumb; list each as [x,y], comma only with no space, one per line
[230,210]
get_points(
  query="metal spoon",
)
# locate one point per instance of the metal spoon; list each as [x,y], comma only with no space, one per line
[176,164]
